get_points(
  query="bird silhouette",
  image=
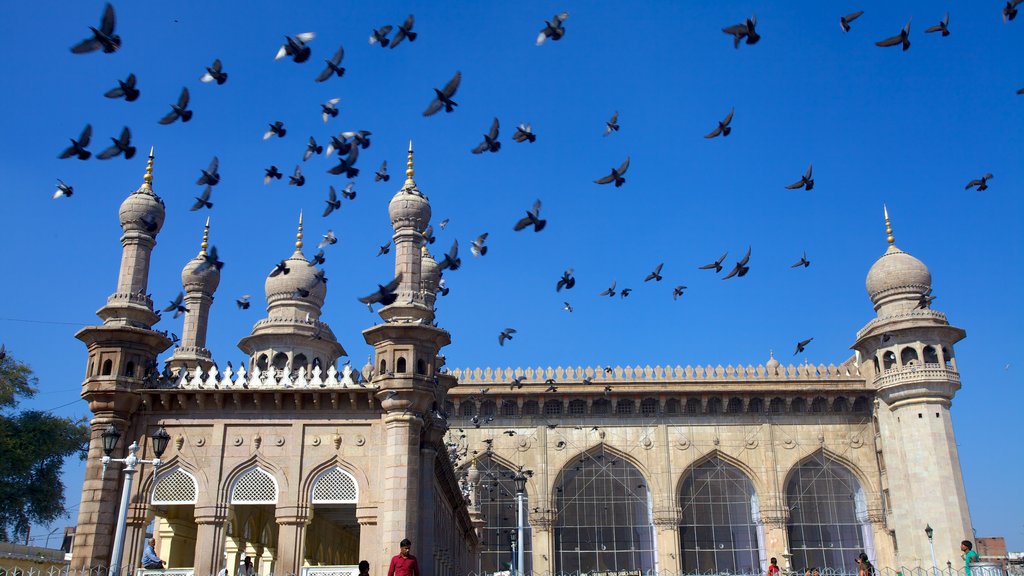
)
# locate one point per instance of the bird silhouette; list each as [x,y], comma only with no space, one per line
[801,345]
[332,201]
[443,97]
[802,262]
[553,28]
[610,291]
[532,219]
[125,89]
[746,29]
[296,47]
[210,176]
[382,174]
[524,133]
[567,281]
[844,21]
[203,200]
[381,36]
[63,190]
[805,181]
[490,143]
[717,264]
[616,175]
[77,147]
[215,73]
[903,38]
[723,128]
[655,274]
[385,294]
[451,259]
[741,267]
[103,38]
[179,109]
[942,26]
[333,67]
[275,129]
[678,291]
[311,148]
[121,145]
[477,246]
[612,125]
[506,334]
[271,173]
[1010,10]
[243,302]
[404,31]
[981,183]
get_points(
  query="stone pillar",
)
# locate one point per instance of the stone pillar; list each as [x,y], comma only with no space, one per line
[541,524]
[370,544]
[135,540]
[210,552]
[666,533]
[133,276]
[97,513]
[292,523]
[428,541]
[776,535]
[401,494]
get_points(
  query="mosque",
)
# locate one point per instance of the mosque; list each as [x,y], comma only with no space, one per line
[307,466]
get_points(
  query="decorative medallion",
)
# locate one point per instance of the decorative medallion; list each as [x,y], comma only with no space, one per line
[360,440]
[856,441]
[279,441]
[315,441]
[789,443]
[560,445]
[200,441]
[751,443]
[523,444]
[683,443]
[647,443]
[237,441]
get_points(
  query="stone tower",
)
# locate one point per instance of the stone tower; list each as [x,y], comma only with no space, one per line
[907,353]
[122,354]
[405,373]
[200,281]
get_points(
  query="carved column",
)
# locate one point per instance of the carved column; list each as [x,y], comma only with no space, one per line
[541,524]
[776,534]
[666,533]
[291,522]
[210,554]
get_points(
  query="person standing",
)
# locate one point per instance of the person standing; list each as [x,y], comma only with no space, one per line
[404,563]
[969,555]
[245,568]
[150,561]
[773,567]
[864,565]
[364,568]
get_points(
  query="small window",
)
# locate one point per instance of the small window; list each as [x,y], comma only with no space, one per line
[467,408]
[625,406]
[383,367]
[577,407]
[860,404]
[908,355]
[877,370]
[601,406]
[299,362]
[819,404]
[421,367]
[735,406]
[108,366]
[531,408]
[280,360]
[919,415]
[508,408]
[649,407]
[693,406]
[799,405]
[889,359]
[400,365]
[947,356]
[672,406]
[487,408]
[261,362]
[756,406]
[777,405]
[553,407]
[714,406]
[840,405]
[129,370]
[931,356]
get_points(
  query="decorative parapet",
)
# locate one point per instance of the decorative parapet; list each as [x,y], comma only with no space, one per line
[270,379]
[913,314]
[917,373]
[658,374]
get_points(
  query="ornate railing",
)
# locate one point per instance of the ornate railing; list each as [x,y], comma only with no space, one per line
[271,378]
[916,373]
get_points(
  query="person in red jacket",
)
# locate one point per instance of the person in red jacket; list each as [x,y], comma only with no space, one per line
[404,563]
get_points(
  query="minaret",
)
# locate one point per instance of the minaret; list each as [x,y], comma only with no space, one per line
[907,356]
[199,282]
[122,353]
[408,385]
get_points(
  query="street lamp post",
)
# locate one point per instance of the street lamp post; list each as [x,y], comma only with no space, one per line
[520,480]
[931,545]
[512,543]
[110,437]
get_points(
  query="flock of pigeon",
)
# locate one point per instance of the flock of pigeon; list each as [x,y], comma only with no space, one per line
[348,144]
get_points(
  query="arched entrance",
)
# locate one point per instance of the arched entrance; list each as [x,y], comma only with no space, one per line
[332,538]
[498,506]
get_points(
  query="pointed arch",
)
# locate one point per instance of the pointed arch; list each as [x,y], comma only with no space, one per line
[497,501]
[254,461]
[314,474]
[859,474]
[174,486]
[747,471]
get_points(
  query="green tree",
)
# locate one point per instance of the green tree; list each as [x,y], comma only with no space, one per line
[33,446]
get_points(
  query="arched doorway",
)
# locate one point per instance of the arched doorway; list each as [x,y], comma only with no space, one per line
[252,527]
[173,500]
[498,506]
[332,538]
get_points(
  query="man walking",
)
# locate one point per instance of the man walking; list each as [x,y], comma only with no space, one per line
[404,563]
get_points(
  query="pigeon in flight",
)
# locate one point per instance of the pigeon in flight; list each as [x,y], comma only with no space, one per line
[178,110]
[925,302]
[332,202]
[381,36]
[125,88]
[656,274]
[77,147]
[801,345]
[802,262]
[215,73]
[243,302]
[678,291]
[275,129]
[723,128]
[616,175]
[347,164]
[443,97]
[567,307]
[384,249]
[103,38]
[177,306]
[203,200]
[443,223]
[404,31]
[333,67]
[349,191]
[63,190]
[328,239]
[625,292]
[844,21]
[490,143]
[385,294]
[567,281]
[210,176]
[532,219]
[612,125]
[743,30]
[506,334]
[805,181]
[451,259]
[940,27]
[210,260]
[610,291]
[297,179]
[428,235]
[330,110]
[318,258]
[122,145]
[524,133]
[717,264]
[280,268]
[553,28]
[296,47]
[1010,10]
[981,183]
[741,267]
[271,173]
[477,246]
[903,38]
[311,149]
[382,174]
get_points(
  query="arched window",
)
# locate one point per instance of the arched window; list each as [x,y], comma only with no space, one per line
[819,404]
[262,362]
[280,360]
[498,505]
[603,523]
[931,356]
[876,365]
[175,487]
[861,404]
[487,408]
[798,405]
[777,405]
[300,362]
[625,406]
[601,406]
[840,405]
[714,405]
[908,355]
[828,523]
[577,407]
[719,531]
[421,367]
[553,407]
[755,406]
[383,367]
[108,367]
[335,486]
[531,408]
[256,486]
[649,406]
[888,359]
[129,369]
[735,406]
[449,407]
[400,365]
[467,408]
[508,408]
[693,405]
[672,406]
[947,355]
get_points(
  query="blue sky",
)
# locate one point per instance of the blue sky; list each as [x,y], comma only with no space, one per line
[906,128]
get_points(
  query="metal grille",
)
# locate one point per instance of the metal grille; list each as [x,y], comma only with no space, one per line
[335,487]
[255,487]
[178,487]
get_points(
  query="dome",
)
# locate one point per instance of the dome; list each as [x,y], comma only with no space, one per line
[301,274]
[772,364]
[142,211]
[205,280]
[897,272]
[408,208]
[429,272]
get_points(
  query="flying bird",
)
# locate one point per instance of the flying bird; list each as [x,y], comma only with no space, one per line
[506,334]
[610,291]
[428,235]
[567,281]
[63,190]
[524,133]
[678,291]
[903,38]
[385,294]
[318,258]
[940,27]
[125,88]
[723,127]
[296,47]
[270,174]
[1010,10]
[276,129]
[567,307]
[77,147]
[443,97]
[311,149]
[210,260]
[103,38]
[381,36]
[717,264]
[451,259]
[384,249]
[349,191]
[280,268]
[297,179]
[925,302]
[477,246]
[741,267]
[203,200]
[981,183]
[747,29]
[243,302]
[612,125]
[1020,92]
[210,176]
[805,181]
[332,201]
[404,31]
[177,306]
[347,164]
[329,110]
[625,292]
[801,345]
[328,239]
[551,387]
[333,67]
[382,174]
[490,143]
[656,274]
[443,223]
[553,28]
[616,175]
[178,110]
[844,21]
[121,145]
[215,73]
[802,262]
[532,219]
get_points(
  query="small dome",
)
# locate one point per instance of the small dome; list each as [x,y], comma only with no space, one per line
[205,280]
[897,272]
[772,364]
[429,272]
[142,211]
[301,274]
[409,207]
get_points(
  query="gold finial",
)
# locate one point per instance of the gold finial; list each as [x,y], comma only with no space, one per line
[409,172]
[298,237]
[148,178]
[888,227]
[206,238]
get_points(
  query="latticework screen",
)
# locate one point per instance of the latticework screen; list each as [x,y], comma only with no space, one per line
[254,487]
[178,487]
[335,487]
